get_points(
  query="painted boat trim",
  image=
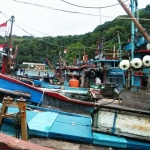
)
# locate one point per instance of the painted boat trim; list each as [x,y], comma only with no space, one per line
[48,93]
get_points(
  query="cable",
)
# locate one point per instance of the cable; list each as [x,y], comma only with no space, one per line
[33,29]
[23,30]
[52,43]
[125,18]
[4,15]
[93,7]
[47,7]
[23,25]
[32,34]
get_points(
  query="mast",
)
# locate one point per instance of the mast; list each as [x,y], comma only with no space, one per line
[137,24]
[120,52]
[6,59]
[133,24]
[132,38]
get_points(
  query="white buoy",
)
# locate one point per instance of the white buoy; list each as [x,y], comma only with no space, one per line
[124,64]
[136,63]
[146,60]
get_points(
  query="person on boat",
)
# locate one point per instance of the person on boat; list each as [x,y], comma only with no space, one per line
[21,70]
[24,71]
[39,73]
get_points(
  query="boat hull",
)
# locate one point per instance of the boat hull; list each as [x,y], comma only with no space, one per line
[46,97]
[122,121]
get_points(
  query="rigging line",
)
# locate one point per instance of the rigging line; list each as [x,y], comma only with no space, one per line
[109,41]
[93,7]
[32,28]
[47,7]
[23,30]
[25,25]
[123,35]
[51,43]
[125,18]
[4,15]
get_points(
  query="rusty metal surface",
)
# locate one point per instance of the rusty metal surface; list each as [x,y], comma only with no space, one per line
[11,143]
[127,124]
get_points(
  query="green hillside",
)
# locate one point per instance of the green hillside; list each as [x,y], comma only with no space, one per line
[31,49]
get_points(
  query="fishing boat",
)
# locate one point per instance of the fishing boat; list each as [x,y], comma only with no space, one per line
[38,96]
[111,124]
[56,124]
[130,117]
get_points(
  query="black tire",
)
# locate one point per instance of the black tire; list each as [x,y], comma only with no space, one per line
[92,73]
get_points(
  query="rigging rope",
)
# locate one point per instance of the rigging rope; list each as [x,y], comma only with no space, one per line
[47,7]
[93,7]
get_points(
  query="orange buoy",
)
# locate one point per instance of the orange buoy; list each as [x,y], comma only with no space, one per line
[74,83]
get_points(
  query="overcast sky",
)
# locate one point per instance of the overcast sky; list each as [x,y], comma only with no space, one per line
[54,22]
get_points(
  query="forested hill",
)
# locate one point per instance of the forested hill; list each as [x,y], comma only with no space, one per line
[31,49]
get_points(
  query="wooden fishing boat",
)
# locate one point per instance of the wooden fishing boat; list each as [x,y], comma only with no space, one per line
[61,125]
[130,117]
[39,96]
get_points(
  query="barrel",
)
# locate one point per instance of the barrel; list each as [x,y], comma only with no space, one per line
[74,83]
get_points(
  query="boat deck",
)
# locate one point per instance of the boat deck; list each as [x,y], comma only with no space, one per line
[45,127]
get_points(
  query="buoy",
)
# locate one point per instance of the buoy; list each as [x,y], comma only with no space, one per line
[74,83]
[136,63]
[124,64]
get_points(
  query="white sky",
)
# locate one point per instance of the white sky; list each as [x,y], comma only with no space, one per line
[55,23]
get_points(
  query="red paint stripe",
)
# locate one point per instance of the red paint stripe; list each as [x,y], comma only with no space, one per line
[142,51]
[19,82]
[59,96]
[49,93]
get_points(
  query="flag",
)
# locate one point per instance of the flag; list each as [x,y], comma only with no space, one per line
[10,48]
[65,50]
[1,47]
[3,26]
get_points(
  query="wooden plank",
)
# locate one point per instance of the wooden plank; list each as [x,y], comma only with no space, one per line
[137,104]
[136,96]
[136,99]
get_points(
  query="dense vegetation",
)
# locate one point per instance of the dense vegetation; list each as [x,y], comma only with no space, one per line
[32,49]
